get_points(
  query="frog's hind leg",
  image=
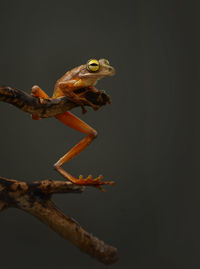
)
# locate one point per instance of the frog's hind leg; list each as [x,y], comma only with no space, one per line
[36,91]
[76,123]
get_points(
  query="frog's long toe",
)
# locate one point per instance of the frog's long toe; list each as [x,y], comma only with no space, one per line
[90,181]
[93,181]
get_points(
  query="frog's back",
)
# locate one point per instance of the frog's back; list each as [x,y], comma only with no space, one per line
[69,75]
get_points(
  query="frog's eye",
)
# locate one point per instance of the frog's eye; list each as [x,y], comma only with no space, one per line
[93,65]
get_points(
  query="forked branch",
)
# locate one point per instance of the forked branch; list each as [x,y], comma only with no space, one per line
[35,198]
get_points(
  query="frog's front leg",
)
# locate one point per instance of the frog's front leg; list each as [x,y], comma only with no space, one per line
[76,123]
[68,87]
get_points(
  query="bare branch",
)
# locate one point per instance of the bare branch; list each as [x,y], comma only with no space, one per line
[35,198]
[32,105]
[51,107]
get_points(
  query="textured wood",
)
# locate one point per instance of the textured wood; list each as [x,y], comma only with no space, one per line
[32,105]
[35,199]
[51,107]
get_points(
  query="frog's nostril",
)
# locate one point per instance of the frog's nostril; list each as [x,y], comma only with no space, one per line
[111,70]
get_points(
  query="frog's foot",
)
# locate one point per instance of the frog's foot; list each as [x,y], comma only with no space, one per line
[94,182]
[95,107]
[76,99]
[88,181]
[96,98]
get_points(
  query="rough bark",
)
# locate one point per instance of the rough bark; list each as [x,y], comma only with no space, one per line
[52,107]
[35,199]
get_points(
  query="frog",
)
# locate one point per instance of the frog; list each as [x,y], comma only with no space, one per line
[73,85]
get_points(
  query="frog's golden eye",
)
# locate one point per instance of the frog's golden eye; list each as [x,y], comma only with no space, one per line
[93,65]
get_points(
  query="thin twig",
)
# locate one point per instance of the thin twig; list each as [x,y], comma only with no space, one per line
[35,199]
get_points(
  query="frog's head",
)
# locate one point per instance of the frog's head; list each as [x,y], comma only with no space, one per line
[94,70]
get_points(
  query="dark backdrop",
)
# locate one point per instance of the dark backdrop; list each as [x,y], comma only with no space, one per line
[147,138]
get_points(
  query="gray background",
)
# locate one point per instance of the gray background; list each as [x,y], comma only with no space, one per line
[147,138]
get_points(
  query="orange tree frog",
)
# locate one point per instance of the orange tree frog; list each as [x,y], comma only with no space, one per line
[70,85]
